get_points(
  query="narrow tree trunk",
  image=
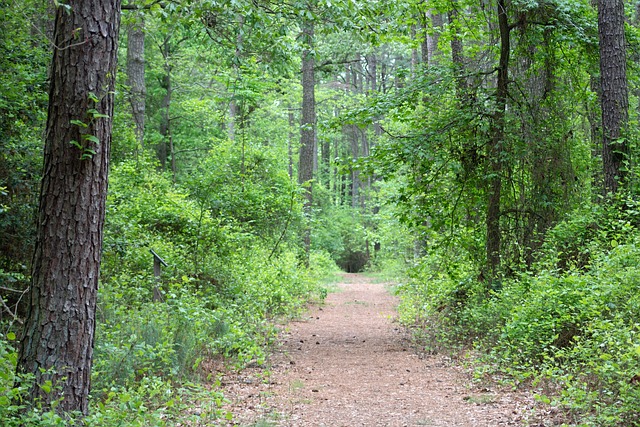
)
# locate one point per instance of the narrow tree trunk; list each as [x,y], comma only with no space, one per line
[430,49]
[233,104]
[457,57]
[355,174]
[57,342]
[615,98]
[165,124]
[496,145]
[135,76]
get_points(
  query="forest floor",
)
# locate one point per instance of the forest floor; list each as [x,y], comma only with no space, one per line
[349,363]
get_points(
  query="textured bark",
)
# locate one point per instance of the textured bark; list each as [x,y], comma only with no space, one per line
[614,94]
[496,145]
[135,76]
[308,127]
[57,342]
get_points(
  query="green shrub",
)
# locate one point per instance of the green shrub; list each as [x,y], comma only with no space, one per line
[575,328]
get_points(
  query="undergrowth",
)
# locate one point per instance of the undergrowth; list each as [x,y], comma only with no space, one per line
[568,328]
[158,340]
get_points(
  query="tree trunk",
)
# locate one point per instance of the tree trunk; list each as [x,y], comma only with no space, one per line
[355,173]
[496,145]
[165,123]
[457,59]
[233,104]
[614,95]
[57,342]
[308,128]
[135,76]
[430,45]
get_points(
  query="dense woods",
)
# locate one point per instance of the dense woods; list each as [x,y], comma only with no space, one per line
[483,153]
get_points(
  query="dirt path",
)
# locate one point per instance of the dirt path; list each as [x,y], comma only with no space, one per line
[349,364]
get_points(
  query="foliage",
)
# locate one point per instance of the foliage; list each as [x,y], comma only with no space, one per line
[572,330]
[402,184]
[341,233]
[23,75]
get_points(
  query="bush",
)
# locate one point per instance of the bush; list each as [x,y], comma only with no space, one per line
[574,328]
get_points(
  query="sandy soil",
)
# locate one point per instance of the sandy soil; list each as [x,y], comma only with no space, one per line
[349,363]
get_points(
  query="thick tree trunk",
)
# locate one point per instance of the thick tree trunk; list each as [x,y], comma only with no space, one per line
[135,76]
[57,343]
[307,128]
[614,95]
[496,145]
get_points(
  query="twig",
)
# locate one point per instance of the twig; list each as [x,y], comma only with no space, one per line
[14,315]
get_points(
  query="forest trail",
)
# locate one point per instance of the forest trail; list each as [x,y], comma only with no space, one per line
[348,363]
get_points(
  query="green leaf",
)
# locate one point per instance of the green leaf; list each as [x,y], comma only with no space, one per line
[96,114]
[92,138]
[11,336]
[79,123]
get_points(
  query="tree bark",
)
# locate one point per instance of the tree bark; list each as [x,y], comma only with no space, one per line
[135,76]
[57,341]
[614,94]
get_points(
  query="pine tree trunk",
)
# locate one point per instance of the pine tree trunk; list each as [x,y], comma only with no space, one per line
[57,342]
[614,94]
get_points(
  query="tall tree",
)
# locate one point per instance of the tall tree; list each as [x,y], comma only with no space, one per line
[433,23]
[57,342]
[308,125]
[496,143]
[135,75]
[614,92]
